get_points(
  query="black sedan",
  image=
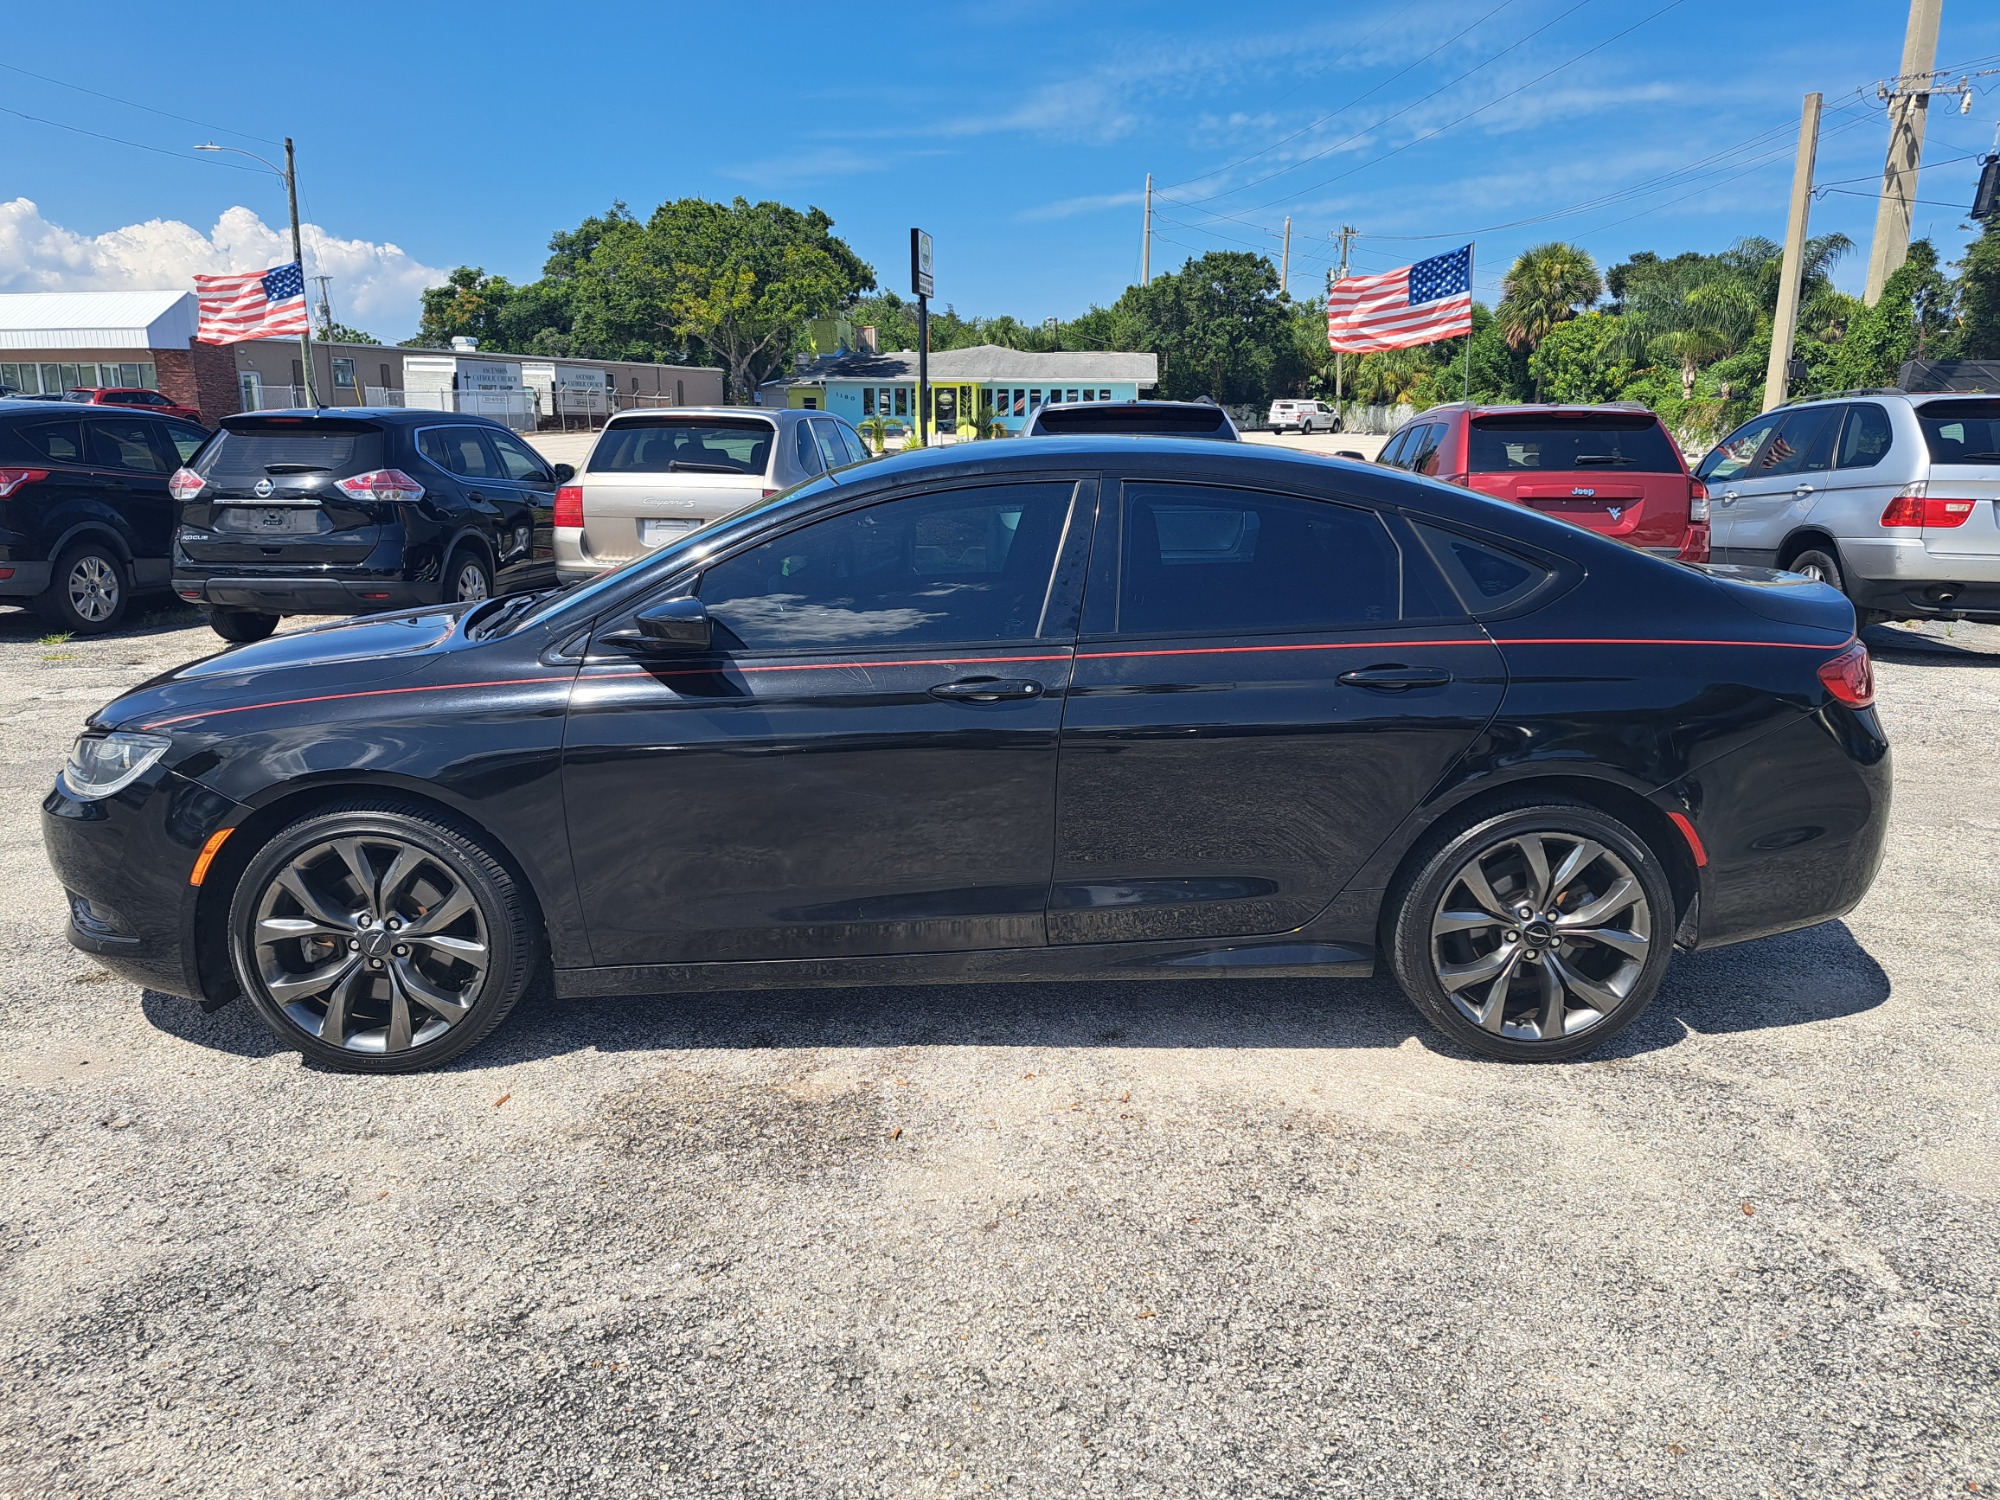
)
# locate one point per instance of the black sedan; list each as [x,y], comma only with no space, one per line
[1092,708]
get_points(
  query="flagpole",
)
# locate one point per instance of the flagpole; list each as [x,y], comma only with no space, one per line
[299,255]
[1468,326]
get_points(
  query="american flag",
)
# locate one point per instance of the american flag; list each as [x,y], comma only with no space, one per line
[252,305]
[1417,304]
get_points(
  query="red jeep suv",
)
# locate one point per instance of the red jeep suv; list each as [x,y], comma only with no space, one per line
[1610,469]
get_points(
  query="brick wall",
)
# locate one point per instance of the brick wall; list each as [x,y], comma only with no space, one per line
[202,376]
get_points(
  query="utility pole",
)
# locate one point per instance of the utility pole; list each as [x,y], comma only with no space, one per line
[299,255]
[1784,326]
[1909,108]
[1146,239]
[1285,260]
[325,304]
[1347,232]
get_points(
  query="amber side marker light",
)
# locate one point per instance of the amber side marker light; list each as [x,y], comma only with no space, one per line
[207,856]
[1850,676]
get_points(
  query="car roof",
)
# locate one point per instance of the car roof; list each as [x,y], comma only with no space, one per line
[1538,408]
[386,415]
[82,410]
[769,413]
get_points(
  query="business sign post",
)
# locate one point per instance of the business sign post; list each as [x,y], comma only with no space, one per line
[922,285]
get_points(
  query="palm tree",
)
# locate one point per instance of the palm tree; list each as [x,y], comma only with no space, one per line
[1548,285]
[1391,377]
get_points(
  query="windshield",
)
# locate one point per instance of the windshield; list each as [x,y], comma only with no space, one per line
[673,445]
[1627,441]
[1961,432]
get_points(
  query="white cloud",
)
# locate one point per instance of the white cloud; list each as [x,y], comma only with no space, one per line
[375,285]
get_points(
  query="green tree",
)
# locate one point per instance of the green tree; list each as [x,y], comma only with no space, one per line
[1218,325]
[1547,285]
[340,333]
[1579,361]
[468,305]
[746,277]
[1911,320]
[1979,296]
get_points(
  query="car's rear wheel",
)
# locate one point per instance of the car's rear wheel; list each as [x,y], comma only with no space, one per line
[1535,933]
[1822,566]
[241,624]
[381,939]
[88,590]
[467,579]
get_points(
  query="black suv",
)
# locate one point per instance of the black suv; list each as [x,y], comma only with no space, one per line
[340,513]
[85,517]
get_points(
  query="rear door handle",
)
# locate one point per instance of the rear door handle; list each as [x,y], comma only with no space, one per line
[1394,678]
[987,689]
[1727,497]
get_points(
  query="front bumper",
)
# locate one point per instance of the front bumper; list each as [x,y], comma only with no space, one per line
[305,595]
[125,863]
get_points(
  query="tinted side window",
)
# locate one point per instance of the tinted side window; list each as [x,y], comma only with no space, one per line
[1802,443]
[857,452]
[1734,453]
[1484,576]
[517,458]
[1866,439]
[964,567]
[58,442]
[1423,456]
[126,444]
[831,451]
[1215,561]
[186,440]
[460,450]
[1393,454]
[806,450]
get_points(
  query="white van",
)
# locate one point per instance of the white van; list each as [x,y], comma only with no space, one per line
[1306,416]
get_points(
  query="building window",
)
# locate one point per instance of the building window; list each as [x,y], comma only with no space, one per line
[23,378]
[809,403]
[1090,395]
[680,393]
[868,401]
[1034,400]
[1020,401]
[387,383]
[1104,395]
[250,386]
[343,374]
[902,401]
[1072,395]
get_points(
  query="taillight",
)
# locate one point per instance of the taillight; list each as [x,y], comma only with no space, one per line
[1916,508]
[769,492]
[382,487]
[569,505]
[1850,676]
[12,479]
[1697,501]
[185,484]
[1694,545]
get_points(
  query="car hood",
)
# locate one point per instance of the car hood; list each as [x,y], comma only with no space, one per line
[1788,598]
[328,659]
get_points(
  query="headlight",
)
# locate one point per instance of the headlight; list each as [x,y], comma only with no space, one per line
[102,764]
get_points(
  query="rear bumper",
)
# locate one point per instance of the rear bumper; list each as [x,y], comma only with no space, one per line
[306,596]
[1902,576]
[24,580]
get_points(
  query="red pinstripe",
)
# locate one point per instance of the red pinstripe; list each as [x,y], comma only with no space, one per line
[972,661]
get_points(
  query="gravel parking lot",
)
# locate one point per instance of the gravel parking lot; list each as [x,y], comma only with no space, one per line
[1253,1238]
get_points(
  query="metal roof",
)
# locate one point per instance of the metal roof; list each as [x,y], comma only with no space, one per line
[985,362]
[96,320]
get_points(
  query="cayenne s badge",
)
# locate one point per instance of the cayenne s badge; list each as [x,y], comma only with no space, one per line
[262,488]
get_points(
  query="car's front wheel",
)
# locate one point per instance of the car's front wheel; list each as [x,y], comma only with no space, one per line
[239,625]
[467,579]
[1535,933]
[381,939]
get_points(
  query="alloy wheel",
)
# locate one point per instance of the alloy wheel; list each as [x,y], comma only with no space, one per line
[1813,571]
[1540,936]
[370,944]
[470,586]
[93,588]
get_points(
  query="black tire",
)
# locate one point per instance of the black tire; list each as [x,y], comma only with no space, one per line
[241,624]
[460,570]
[1502,1019]
[89,589]
[425,869]
[1821,563]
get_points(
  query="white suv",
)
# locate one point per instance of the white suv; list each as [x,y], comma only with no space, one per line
[1890,496]
[1306,416]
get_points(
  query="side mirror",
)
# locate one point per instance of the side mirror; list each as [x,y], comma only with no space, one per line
[1350,453]
[677,626]
[565,473]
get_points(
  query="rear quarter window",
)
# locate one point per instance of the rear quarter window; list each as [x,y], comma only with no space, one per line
[1485,576]
[1535,444]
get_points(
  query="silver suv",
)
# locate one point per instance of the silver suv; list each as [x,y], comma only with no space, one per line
[1890,496]
[654,476]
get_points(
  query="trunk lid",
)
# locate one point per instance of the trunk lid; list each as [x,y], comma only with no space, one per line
[1613,472]
[1788,598]
[1963,436]
[652,479]
[269,493]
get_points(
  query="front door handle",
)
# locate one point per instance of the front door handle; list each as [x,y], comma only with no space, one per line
[1727,497]
[987,689]
[1803,489]
[1394,678]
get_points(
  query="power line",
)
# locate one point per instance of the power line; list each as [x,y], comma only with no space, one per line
[121,141]
[134,104]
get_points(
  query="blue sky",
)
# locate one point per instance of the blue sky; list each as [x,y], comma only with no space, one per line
[1019,133]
